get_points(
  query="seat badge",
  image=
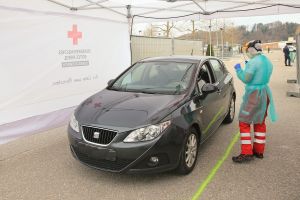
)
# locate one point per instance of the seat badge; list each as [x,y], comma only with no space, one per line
[96,135]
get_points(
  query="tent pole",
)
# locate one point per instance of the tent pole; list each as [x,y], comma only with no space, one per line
[130,24]
[91,4]
[129,18]
[222,41]
[217,37]
[298,58]
[61,4]
[210,37]
[112,10]
[296,83]
[163,9]
[243,4]
[199,6]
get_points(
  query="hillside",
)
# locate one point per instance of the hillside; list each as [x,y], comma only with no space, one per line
[276,31]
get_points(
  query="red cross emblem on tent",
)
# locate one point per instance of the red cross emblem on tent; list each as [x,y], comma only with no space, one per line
[74,34]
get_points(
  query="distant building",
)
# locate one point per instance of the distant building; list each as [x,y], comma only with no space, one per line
[271,45]
[278,45]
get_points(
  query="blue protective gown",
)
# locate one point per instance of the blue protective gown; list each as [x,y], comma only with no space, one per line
[256,76]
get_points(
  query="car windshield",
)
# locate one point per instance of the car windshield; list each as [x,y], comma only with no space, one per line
[156,77]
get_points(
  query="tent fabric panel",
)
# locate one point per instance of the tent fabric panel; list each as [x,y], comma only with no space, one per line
[116,10]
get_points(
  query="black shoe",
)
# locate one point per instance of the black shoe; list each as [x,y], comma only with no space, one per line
[242,158]
[259,155]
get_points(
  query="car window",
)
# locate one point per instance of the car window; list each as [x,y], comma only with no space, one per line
[134,76]
[218,69]
[153,72]
[156,77]
[204,76]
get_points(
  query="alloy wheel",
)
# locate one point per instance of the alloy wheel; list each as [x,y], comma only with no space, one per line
[232,109]
[191,150]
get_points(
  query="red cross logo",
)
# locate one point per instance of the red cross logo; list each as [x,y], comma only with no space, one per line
[74,34]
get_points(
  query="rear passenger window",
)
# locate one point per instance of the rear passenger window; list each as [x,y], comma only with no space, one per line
[218,69]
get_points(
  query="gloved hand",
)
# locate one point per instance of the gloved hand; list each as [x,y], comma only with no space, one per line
[237,67]
[246,61]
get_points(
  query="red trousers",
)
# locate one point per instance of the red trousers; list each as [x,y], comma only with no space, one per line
[259,137]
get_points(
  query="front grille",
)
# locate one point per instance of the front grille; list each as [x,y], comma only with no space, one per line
[98,135]
[117,165]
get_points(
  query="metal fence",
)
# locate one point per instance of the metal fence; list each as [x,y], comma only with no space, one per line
[143,47]
[227,51]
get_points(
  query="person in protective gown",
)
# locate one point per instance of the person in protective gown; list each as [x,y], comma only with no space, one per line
[257,102]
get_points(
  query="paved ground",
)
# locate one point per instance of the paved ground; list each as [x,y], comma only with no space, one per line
[41,166]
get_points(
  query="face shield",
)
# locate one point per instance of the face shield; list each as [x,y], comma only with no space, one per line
[253,48]
[246,53]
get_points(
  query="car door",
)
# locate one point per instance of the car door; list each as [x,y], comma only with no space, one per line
[207,104]
[227,82]
[222,82]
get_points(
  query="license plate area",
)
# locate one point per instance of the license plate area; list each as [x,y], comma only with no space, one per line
[98,153]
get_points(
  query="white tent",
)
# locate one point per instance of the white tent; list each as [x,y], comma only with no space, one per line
[55,53]
[119,10]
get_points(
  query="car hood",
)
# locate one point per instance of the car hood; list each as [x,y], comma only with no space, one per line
[126,109]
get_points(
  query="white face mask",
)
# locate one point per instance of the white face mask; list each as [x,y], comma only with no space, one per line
[249,55]
[251,52]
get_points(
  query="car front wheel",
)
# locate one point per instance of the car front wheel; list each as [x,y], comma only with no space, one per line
[188,157]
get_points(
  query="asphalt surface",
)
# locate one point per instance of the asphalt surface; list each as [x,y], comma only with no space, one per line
[40,166]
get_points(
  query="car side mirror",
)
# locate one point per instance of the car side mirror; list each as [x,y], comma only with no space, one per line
[110,82]
[209,88]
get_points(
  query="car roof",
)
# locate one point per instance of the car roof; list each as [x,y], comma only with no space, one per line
[177,58]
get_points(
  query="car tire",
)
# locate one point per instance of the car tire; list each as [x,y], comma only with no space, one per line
[191,146]
[231,112]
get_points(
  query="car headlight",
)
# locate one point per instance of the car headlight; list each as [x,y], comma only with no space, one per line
[147,133]
[74,123]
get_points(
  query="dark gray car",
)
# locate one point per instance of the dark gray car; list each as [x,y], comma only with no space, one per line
[154,116]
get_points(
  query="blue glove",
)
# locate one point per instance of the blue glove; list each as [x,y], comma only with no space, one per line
[237,67]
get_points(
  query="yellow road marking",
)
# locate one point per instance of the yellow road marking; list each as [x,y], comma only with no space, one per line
[212,173]
[213,120]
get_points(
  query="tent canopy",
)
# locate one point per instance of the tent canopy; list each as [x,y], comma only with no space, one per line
[150,10]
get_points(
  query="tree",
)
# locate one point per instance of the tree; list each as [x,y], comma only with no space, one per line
[150,31]
[166,28]
[233,35]
[193,30]
[271,32]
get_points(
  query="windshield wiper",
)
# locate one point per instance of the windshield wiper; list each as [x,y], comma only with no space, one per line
[145,92]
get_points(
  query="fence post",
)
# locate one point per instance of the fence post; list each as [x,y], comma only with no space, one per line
[173,46]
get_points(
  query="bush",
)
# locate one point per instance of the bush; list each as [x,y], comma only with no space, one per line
[208,50]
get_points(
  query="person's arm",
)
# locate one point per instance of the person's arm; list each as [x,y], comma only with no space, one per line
[245,75]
